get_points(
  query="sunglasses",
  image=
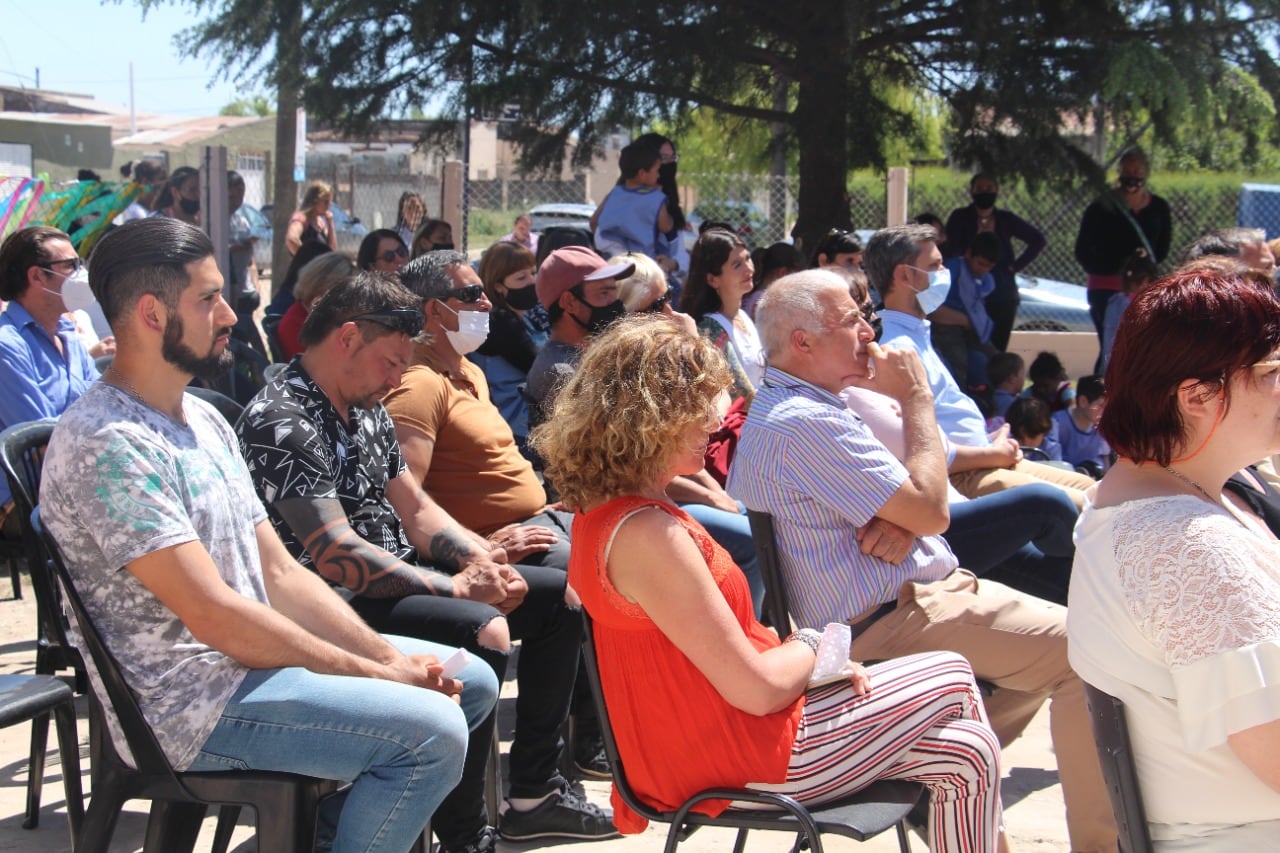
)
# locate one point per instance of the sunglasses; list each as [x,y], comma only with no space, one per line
[657,304]
[408,321]
[77,264]
[469,294]
[392,254]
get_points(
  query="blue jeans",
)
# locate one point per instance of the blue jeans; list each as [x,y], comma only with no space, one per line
[733,532]
[401,747]
[1020,537]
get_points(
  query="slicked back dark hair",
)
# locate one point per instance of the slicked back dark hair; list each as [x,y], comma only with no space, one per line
[145,256]
[365,292]
[21,251]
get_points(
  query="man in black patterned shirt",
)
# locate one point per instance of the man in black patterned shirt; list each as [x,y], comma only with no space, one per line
[324,458]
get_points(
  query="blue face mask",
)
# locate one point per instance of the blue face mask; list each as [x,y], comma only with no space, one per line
[932,297]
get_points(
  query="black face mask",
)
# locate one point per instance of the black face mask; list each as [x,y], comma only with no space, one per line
[667,171]
[984,201]
[437,247]
[600,318]
[522,298]
[189,206]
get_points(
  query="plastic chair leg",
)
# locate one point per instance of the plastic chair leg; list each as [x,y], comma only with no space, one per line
[64,718]
[173,827]
[101,817]
[228,817]
[35,769]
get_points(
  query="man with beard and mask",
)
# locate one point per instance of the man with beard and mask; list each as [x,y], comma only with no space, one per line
[904,265]
[44,366]
[240,657]
[982,216]
[323,455]
[580,292]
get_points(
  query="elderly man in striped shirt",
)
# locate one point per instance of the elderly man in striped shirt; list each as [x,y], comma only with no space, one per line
[831,485]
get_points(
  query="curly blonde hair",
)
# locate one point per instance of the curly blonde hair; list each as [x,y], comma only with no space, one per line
[617,421]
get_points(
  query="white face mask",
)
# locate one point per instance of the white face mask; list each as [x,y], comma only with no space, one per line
[76,294]
[473,329]
[932,297]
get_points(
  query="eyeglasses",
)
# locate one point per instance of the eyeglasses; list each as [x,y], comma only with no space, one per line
[869,313]
[657,304]
[408,321]
[76,265]
[391,254]
[469,294]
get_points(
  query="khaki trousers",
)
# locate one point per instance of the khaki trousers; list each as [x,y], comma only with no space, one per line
[1019,643]
[985,481]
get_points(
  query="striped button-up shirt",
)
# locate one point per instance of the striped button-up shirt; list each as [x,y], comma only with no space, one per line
[813,465]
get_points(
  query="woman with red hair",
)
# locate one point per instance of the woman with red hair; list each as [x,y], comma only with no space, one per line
[1175,595]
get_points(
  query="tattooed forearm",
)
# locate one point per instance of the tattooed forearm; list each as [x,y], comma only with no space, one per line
[449,548]
[341,556]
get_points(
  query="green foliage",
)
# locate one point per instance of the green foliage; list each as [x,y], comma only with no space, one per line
[255,105]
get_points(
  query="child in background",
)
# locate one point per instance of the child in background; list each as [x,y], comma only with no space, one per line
[1082,445]
[633,216]
[1007,373]
[1049,383]
[1137,272]
[1031,425]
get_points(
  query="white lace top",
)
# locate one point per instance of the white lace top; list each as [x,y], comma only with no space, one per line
[1174,608]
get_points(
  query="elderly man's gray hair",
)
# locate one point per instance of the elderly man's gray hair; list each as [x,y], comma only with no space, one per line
[888,247]
[428,274]
[794,302]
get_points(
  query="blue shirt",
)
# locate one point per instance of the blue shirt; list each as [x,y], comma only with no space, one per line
[37,381]
[812,464]
[966,295]
[957,414]
[1079,445]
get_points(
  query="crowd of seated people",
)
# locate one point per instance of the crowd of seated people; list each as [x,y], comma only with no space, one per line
[400,457]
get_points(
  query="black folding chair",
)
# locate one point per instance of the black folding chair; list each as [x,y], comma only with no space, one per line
[1111,735]
[859,816]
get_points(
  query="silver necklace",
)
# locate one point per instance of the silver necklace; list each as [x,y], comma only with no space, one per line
[1192,483]
[125,383]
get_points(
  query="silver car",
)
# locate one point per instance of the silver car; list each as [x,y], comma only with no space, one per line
[1052,306]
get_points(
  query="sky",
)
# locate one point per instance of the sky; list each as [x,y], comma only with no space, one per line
[85,47]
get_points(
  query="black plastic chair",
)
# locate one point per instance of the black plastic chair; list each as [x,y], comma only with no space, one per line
[226,406]
[33,698]
[21,457]
[1111,735]
[286,804]
[777,605]
[869,812]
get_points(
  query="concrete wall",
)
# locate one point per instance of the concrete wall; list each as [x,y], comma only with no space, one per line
[62,148]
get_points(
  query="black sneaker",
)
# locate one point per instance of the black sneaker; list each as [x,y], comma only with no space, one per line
[564,814]
[590,760]
[485,842]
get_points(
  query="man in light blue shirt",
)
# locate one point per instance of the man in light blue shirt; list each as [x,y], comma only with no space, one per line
[43,365]
[899,261]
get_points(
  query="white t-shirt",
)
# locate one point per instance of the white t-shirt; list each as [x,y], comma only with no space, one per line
[746,341]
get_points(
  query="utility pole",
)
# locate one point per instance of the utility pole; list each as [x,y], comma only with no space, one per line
[288,85]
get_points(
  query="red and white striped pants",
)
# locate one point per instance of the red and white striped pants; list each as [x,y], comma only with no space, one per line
[922,721]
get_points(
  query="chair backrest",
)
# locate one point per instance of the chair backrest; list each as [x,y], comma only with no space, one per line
[22,457]
[620,784]
[148,757]
[1111,734]
[777,606]
[270,327]
[227,407]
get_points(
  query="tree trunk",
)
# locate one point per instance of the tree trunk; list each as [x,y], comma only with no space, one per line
[821,140]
